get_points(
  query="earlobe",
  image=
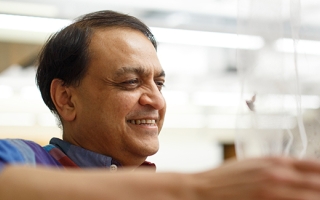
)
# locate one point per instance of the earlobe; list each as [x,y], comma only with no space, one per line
[61,97]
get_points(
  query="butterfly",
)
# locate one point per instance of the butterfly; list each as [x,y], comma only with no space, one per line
[250,103]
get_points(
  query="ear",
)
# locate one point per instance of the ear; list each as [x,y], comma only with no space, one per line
[61,97]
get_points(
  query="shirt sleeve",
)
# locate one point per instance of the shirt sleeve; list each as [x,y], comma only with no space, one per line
[9,153]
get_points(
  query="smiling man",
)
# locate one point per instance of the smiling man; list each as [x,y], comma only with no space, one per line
[117,108]
[102,78]
[105,87]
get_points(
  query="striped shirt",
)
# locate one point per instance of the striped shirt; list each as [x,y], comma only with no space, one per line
[58,153]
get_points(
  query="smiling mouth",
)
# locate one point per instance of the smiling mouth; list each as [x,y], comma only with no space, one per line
[150,122]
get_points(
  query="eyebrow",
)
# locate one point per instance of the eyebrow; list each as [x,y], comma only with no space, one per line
[136,70]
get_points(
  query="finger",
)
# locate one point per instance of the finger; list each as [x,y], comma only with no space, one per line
[307,165]
[309,181]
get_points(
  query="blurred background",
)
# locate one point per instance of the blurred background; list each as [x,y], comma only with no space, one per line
[198,46]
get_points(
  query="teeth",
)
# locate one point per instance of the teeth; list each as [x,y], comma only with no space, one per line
[143,121]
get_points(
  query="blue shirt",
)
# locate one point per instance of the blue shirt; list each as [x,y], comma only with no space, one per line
[58,153]
[83,157]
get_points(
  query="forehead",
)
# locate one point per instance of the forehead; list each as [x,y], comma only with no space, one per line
[114,48]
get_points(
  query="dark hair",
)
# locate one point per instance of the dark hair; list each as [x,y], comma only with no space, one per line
[65,55]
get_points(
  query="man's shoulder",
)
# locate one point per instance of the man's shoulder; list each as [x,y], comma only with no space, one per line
[17,150]
[18,144]
[20,151]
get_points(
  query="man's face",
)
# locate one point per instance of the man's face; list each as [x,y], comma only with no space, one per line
[119,105]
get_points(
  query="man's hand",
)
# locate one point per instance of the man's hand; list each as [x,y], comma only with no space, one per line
[262,178]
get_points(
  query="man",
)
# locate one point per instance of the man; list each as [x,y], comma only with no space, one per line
[102,78]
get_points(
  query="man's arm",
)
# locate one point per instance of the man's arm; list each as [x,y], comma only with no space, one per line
[261,178]
[26,182]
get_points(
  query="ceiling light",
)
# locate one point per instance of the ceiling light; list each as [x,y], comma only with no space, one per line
[266,102]
[204,38]
[33,24]
[27,29]
[166,35]
[303,46]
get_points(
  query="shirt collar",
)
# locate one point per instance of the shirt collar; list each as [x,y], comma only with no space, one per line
[86,158]
[83,157]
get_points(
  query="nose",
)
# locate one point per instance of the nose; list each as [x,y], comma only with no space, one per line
[153,97]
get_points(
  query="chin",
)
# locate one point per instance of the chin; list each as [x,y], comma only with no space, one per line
[150,150]
[153,152]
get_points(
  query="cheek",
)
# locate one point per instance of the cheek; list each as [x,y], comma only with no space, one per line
[123,103]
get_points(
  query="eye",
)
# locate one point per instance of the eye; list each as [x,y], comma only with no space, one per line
[131,84]
[160,84]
